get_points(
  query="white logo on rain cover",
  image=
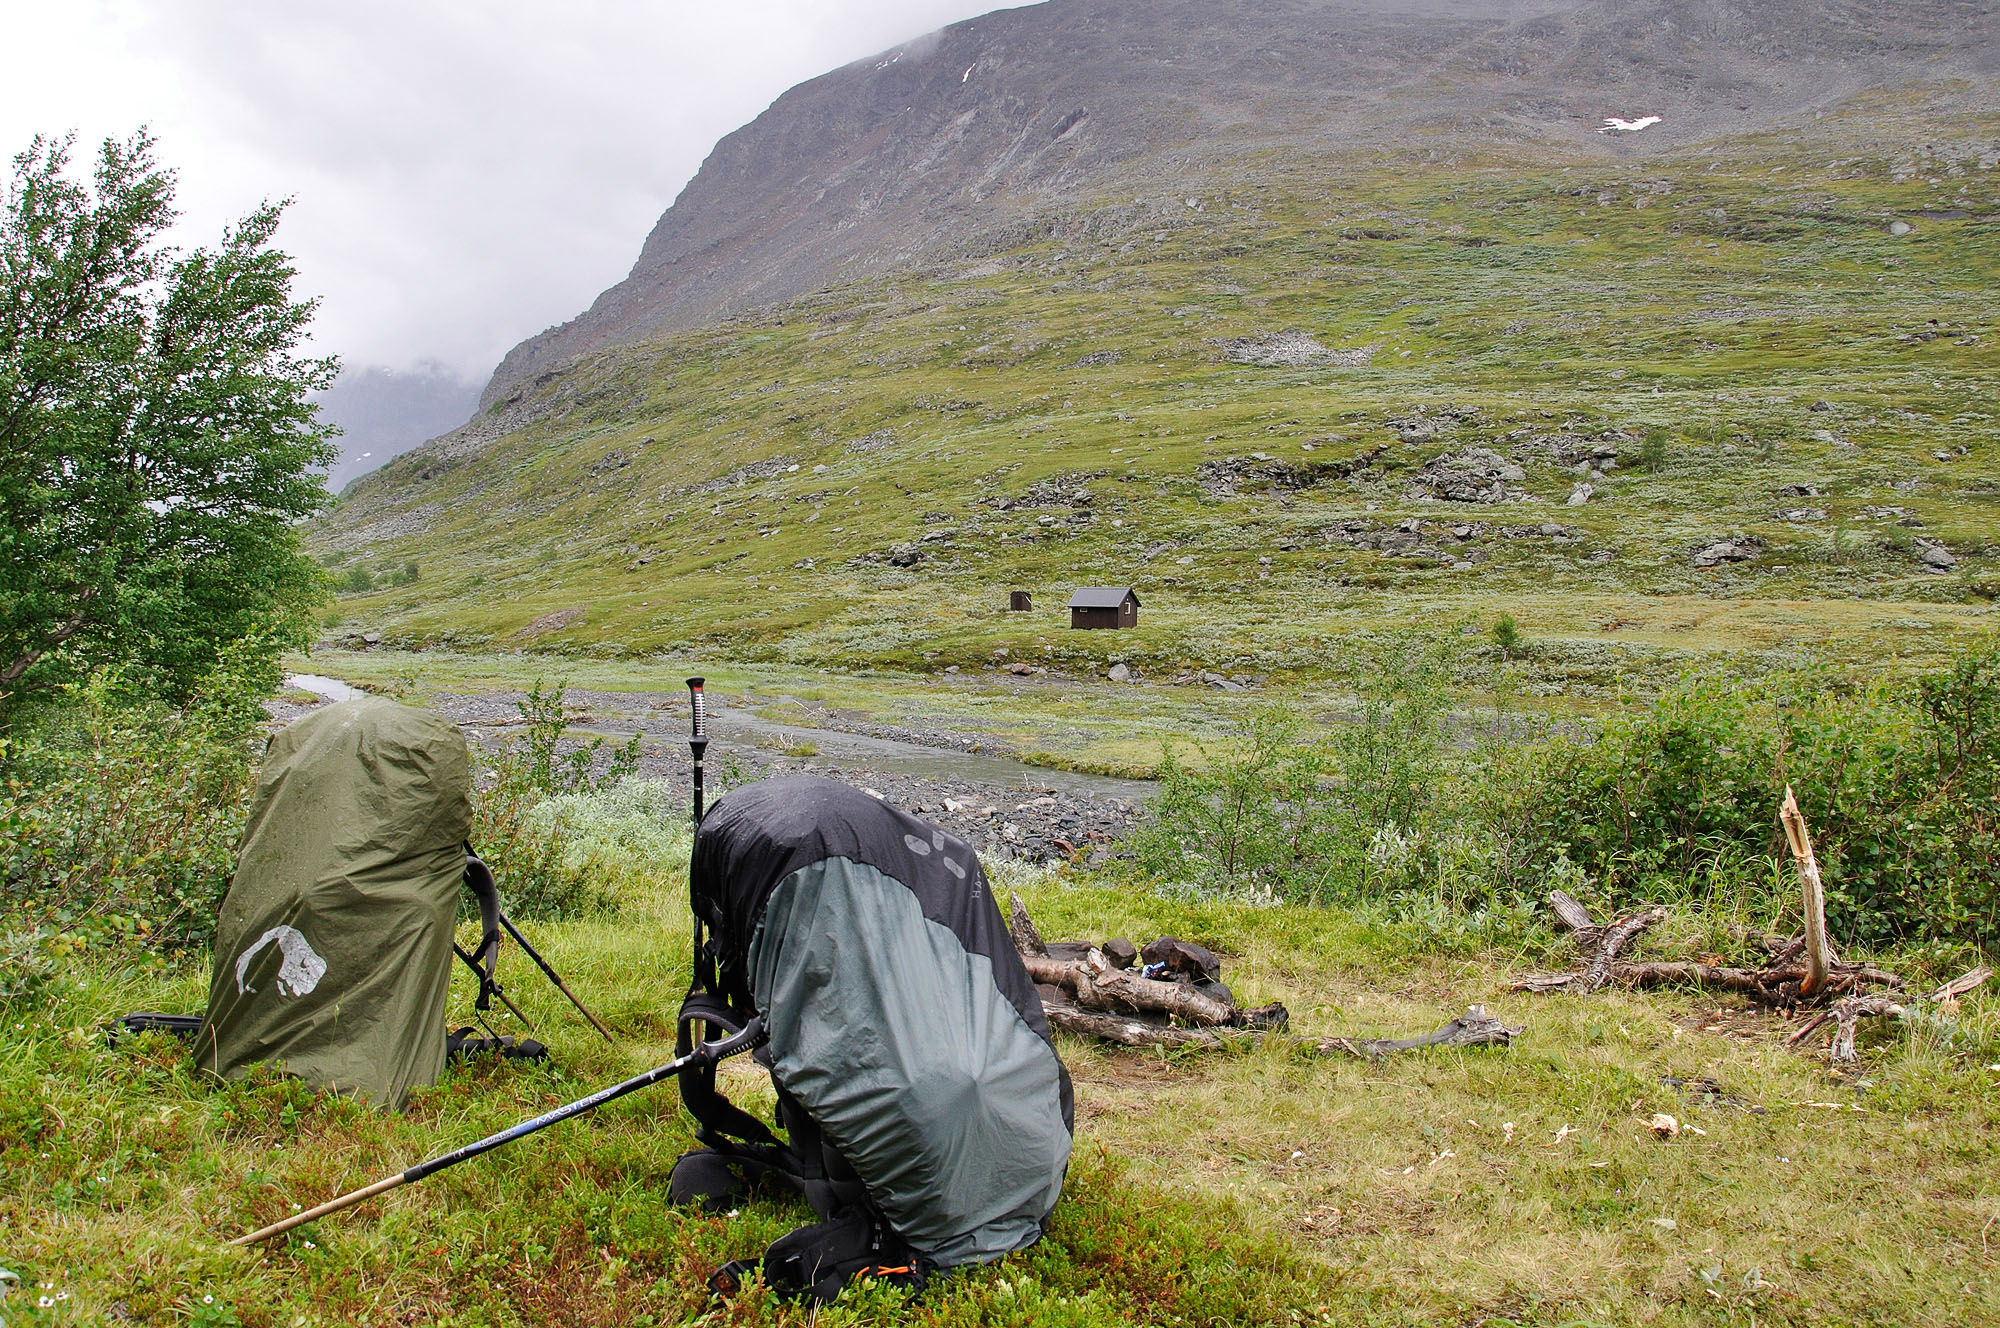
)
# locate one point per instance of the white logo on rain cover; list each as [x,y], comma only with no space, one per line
[301,970]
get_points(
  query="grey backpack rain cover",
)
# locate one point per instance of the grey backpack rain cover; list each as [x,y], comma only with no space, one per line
[900,1017]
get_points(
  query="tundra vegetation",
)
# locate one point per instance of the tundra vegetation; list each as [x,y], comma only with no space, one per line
[1279,416]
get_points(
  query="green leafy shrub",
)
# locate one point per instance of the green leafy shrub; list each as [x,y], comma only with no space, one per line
[523,844]
[1653,450]
[1674,801]
[1235,821]
[1899,781]
[1291,814]
[122,813]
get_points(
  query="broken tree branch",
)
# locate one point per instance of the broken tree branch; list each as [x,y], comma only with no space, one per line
[1947,995]
[1819,951]
[1573,915]
[1616,937]
[1847,1013]
[1474,1028]
[1783,982]
[1599,946]
[1021,930]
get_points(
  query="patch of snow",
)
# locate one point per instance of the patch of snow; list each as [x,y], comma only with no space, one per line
[1612,122]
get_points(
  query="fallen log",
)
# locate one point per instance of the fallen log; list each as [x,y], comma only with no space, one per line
[1115,989]
[1474,1028]
[1093,984]
[1093,995]
[1134,1032]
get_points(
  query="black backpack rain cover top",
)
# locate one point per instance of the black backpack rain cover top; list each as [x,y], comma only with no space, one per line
[900,1016]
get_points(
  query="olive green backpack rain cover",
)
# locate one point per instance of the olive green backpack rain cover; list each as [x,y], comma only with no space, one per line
[333,948]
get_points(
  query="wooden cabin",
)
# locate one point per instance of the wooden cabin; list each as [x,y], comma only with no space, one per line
[1104,606]
[1018,601]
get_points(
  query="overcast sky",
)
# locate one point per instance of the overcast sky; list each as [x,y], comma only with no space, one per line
[464,172]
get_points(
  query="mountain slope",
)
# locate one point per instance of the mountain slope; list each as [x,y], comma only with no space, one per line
[952,144]
[1659,404]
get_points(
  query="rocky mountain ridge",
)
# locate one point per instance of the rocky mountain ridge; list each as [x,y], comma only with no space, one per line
[953,145]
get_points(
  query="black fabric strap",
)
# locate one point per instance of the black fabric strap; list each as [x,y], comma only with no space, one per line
[722,1123]
[479,880]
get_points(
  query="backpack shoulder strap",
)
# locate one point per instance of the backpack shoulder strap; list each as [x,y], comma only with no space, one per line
[479,880]
[721,1121]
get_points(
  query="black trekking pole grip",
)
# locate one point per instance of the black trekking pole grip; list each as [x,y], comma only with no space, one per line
[697,738]
[706,1053]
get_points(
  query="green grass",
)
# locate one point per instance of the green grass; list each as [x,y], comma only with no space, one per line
[1265,1186]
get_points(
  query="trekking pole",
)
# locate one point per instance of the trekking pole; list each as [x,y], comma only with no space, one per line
[554,977]
[698,738]
[492,985]
[706,1053]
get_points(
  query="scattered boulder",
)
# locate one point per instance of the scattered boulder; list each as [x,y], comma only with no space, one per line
[1226,476]
[1288,350]
[548,622]
[1580,495]
[1737,549]
[1413,430]
[1802,514]
[1936,557]
[1120,673]
[1473,475]
[756,470]
[1069,490]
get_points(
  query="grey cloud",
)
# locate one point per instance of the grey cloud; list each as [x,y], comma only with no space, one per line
[464,174]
